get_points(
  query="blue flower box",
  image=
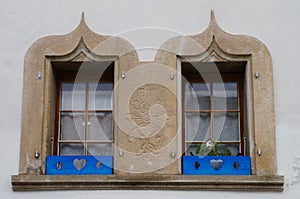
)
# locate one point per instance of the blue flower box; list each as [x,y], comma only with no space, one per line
[79,165]
[216,165]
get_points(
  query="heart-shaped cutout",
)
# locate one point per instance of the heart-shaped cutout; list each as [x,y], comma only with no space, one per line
[216,164]
[79,164]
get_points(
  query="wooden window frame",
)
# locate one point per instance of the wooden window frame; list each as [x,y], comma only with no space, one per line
[226,77]
[70,77]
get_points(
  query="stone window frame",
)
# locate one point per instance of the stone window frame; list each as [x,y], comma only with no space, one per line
[37,106]
[215,54]
[214,44]
[77,57]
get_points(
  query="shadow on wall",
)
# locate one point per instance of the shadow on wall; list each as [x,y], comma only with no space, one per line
[296,167]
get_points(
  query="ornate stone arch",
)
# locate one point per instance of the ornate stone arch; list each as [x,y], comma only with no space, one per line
[214,44]
[81,45]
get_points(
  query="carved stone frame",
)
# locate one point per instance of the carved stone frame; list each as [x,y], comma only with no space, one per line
[38,106]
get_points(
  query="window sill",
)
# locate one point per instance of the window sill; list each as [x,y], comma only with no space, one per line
[147,182]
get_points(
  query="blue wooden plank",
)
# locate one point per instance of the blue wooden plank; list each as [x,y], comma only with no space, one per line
[216,165]
[79,165]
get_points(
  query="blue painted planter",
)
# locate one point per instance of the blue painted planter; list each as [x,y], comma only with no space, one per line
[216,165]
[79,165]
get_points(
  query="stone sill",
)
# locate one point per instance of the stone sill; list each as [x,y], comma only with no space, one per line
[147,182]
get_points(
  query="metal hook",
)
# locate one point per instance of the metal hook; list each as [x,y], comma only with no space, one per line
[39,76]
[36,154]
[259,151]
[123,75]
[172,154]
[172,75]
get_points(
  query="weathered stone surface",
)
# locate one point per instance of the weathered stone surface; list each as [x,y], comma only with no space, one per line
[153,182]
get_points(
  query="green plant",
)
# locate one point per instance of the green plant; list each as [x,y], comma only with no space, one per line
[212,148]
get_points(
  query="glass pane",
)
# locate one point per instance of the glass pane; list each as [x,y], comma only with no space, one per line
[100,96]
[225,96]
[233,148]
[191,149]
[73,96]
[72,126]
[226,126]
[100,126]
[197,96]
[197,126]
[70,149]
[99,149]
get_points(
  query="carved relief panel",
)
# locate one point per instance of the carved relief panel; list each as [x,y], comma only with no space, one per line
[147,124]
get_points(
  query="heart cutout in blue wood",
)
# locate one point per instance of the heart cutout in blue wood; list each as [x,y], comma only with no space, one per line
[216,164]
[79,164]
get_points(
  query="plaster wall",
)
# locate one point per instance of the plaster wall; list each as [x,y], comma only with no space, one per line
[147,24]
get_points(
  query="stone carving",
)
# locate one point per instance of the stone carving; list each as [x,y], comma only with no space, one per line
[150,109]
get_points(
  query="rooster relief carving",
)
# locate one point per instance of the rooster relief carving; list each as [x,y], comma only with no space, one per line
[150,110]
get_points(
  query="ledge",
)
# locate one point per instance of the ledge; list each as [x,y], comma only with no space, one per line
[147,182]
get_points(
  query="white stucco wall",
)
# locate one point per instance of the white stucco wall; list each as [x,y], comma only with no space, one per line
[275,22]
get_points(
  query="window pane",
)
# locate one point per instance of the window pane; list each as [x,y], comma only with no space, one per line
[233,148]
[197,126]
[225,96]
[100,126]
[72,126]
[197,96]
[191,149]
[226,127]
[73,96]
[70,149]
[100,96]
[99,149]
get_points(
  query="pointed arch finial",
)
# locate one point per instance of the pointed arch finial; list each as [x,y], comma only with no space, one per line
[82,24]
[82,20]
[212,15]
[213,21]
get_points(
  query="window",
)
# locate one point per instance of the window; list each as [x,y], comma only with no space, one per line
[84,123]
[213,110]
[85,119]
